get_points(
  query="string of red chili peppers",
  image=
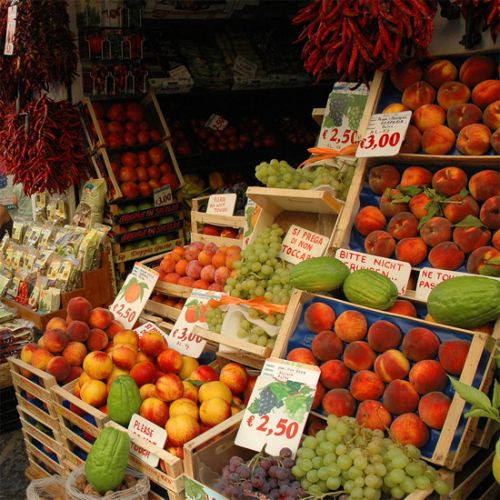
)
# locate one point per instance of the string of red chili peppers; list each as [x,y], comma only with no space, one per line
[356,37]
[479,15]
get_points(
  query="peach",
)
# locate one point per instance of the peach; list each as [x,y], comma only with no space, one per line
[115,373]
[79,309]
[98,340]
[339,402]
[351,326]
[419,205]
[369,219]
[427,116]
[204,373]
[451,93]
[400,397]
[84,377]
[75,353]
[452,355]
[144,373]
[484,185]
[205,258]
[234,376]
[391,203]
[190,391]
[214,411]
[411,250]
[169,361]
[94,393]
[433,409]
[222,274]
[412,141]
[395,107]
[208,273]
[152,343]
[436,230]
[406,73]
[391,365]
[496,240]
[78,331]
[318,396]
[55,340]
[27,352]
[449,181]
[446,255]
[319,316]
[100,318]
[495,141]
[416,176]
[459,116]
[491,115]
[193,269]
[440,71]
[169,387]
[380,243]
[373,415]
[124,356]
[486,92]
[334,374]
[403,307]
[484,260]
[382,177]
[418,94]
[490,212]
[326,345]
[403,225]
[420,343]
[214,389]
[438,140]
[428,375]
[366,384]
[59,368]
[184,406]
[474,139]
[358,356]
[470,238]
[181,429]
[76,391]
[383,335]
[98,365]
[155,410]
[41,343]
[475,69]
[458,208]
[40,358]
[126,337]
[140,355]
[56,324]
[147,391]
[74,373]
[189,364]
[408,428]
[114,328]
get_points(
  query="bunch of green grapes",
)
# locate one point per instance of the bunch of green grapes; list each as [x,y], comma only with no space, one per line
[361,462]
[215,318]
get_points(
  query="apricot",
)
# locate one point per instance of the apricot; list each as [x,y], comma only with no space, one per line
[84,377]
[234,376]
[59,368]
[427,116]
[184,406]
[126,337]
[189,364]
[470,238]
[391,365]
[438,140]
[380,243]
[403,225]
[339,402]
[214,411]
[79,309]
[416,176]
[302,355]
[155,410]
[412,141]
[451,93]
[449,181]
[491,115]
[440,71]
[395,107]
[334,374]
[366,384]
[427,376]
[474,139]
[124,356]
[326,345]
[452,355]
[490,212]
[459,116]
[406,73]
[169,387]
[400,397]
[94,393]
[318,396]
[475,69]
[98,365]
[391,203]
[169,361]
[411,250]
[383,335]
[40,358]
[147,391]
[436,230]
[78,331]
[55,340]
[496,240]
[351,326]
[97,340]
[214,389]
[433,409]
[27,352]
[458,208]
[114,328]
[190,391]
[403,307]
[144,373]
[418,94]
[359,356]
[485,261]
[204,373]
[100,318]
[319,316]
[181,429]
[486,92]
[75,353]
[56,324]
[373,415]
[382,177]
[484,185]
[369,219]
[420,343]
[408,428]
[152,343]
[446,255]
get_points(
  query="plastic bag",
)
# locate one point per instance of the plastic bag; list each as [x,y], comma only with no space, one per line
[91,207]
[138,492]
[48,488]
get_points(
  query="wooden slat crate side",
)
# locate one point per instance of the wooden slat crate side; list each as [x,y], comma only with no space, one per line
[162,310]
[52,443]
[37,413]
[46,379]
[485,434]
[34,471]
[57,468]
[220,241]
[70,437]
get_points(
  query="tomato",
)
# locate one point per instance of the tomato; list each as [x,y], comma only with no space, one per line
[114,141]
[134,112]
[95,45]
[154,183]
[142,174]
[144,126]
[145,189]
[130,139]
[129,159]
[104,128]
[143,137]
[156,155]
[115,128]
[128,174]
[116,113]
[154,172]
[165,168]
[115,168]
[155,135]
[170,179]
[98,110]
[183,149]
[132,127]
[143,158]
[129,190]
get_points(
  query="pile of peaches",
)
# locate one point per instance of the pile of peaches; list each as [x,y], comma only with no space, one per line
[441,217]
[200,265]
[451,106]
[387,378]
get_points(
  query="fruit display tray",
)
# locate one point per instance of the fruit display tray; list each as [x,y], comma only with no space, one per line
[53,463]
[449,446]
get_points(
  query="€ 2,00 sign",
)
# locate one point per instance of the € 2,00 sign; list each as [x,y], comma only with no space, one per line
[133,295]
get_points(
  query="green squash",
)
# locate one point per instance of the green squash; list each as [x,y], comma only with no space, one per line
[370,289]
[124,399]
[319,274]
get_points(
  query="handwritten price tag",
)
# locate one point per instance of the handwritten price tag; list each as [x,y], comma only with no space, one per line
[133,295]
[300,244]
[149,327]
[216,122]
[384,135]
[154,434]
[163,196]
[221,204]
[278,407]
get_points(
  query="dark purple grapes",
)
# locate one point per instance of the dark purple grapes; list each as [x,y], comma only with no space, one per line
[286,453]
[288,463]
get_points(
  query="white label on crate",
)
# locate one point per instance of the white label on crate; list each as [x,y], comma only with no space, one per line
[149,327]
[251,212]
[291,387]
[429,277]
[301,244]
[343,112]
[216,122]
[384,135]
[154,434]
[180,73]
[181,337]
[10,31]
[193,490]
[221,204]
[133,295]
[163,196]
[244,67]
[398,272]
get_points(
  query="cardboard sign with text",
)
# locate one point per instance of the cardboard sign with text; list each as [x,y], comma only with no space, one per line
[216,122]
[221,204]
[154,434]
[301,244]
[193,490]
[163,196]
[149,327]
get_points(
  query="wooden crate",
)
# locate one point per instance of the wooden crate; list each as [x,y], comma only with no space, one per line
[50,461]
[454,440]
[162,310]
[5,378]
[119,218]
[75,448]
[35,470]
[486,431]
[41,415]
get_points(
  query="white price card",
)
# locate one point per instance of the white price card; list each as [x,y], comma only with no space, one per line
[181,337]
[133,295]
[221,204]
[163,196]
[343,112]
[10,31]
[278,407]
[301,244]
[180,73]
[149,327]
[384,135]
[398,272]
[152,433]
[193,490]
[216,122]
[244,67]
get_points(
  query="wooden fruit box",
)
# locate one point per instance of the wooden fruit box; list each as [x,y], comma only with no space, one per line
[53,462]
[35,470]
[449,446]
[40,414]
[120,218]
[486,431]
[162,310]
[75,448]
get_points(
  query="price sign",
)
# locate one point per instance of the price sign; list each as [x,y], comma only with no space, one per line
[300,244]
[149,327]
[133,295]
[278,407]
[182,338]
[244,67]
[344,109]
[384,135]
[193,490]
[216,122]
[163,196]
[221,204]
[180,73]
[398,272]
[10,31]
[152,433]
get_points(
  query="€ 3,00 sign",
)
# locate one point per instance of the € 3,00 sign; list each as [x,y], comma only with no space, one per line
[133,295]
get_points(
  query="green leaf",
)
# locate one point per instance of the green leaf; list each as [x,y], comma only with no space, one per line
[193,302]
[198,313]
[294,386]
[478,412]
[472,395]
[254,407]
[411,190]
[470,221]
[463,193]
[280,390]
[496,395]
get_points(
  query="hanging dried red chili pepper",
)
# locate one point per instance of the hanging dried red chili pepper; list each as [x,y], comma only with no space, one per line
[479,15]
